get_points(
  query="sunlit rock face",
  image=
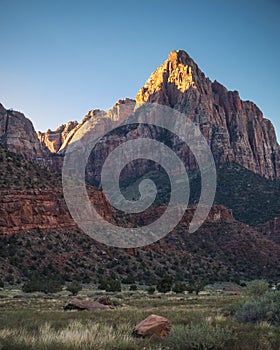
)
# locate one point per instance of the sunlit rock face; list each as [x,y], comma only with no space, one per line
[236,130]
[53,140]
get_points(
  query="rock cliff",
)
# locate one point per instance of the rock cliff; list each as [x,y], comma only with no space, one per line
[46,209]
[53,140]
[236,130]
[17,134]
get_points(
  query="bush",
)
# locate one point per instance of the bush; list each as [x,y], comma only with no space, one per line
[252,311]
[263,308]
[1,284]
[196,287]
[165,285]
[199,336]
[113,285]
[51,284]
[151,290]
[74,287]
[190,288]
[179,287]
[133,287]
[257,288]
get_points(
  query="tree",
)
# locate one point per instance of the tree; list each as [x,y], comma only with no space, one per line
[48,284]
[190,288]
[199,286]
[165,285]
[179,287]
[196,286]
[74,287]
[113,285]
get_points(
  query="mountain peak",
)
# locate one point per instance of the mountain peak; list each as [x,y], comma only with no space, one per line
[178,73]
[235,129]
[180,56]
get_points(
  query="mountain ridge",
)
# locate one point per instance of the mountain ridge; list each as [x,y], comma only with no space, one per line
[236,130]
[35,221]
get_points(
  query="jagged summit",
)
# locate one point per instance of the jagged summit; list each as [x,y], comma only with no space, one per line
[178,72]
[235,130]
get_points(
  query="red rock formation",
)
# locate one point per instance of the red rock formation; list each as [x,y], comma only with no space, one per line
[236,130]
[53,140]
[17,134]
[46,209]
[26,210]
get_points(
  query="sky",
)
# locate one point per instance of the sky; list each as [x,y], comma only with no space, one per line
[59,59]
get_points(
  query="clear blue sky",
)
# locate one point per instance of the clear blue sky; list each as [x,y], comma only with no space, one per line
[61,58]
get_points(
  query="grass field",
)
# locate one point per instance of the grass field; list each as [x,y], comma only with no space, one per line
[198,322]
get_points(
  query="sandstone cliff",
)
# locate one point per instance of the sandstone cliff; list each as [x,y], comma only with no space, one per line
[236,130]
[17,134]
[57,141]
[53,140]
[46,209]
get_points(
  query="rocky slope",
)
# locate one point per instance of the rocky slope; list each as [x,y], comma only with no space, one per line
[35,223]
[271,229]
[220,251]
[35,226]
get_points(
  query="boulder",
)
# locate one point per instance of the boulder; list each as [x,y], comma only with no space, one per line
[153,325]
[78,304]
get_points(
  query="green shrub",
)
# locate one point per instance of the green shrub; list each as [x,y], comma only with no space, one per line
[48,284]
[179,287]
[133,287]
[252,311]
[257,288]
[165,285]
[74,287]
[113,285]
[263,308]
[196,286]
[199,336]
[151,290]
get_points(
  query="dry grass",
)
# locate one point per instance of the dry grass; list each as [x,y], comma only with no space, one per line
[197,322]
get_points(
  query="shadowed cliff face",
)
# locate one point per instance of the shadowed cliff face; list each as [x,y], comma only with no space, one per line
[236,130]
